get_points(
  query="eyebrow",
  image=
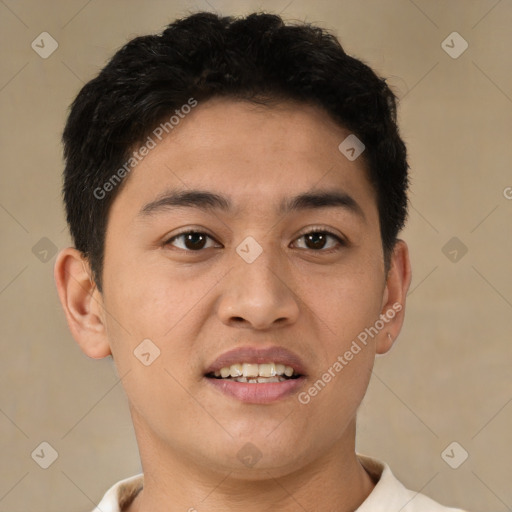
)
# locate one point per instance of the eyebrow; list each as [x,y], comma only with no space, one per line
[209,201]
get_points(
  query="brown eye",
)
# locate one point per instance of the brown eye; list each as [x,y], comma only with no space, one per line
[317,240]
[190,240]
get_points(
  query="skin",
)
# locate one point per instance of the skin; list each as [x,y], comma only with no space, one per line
[196,305]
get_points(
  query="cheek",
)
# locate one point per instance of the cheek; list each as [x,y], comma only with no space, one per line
[336,390]
[348,304]
[149,329]
[153,302]
[348,299]
[143,298]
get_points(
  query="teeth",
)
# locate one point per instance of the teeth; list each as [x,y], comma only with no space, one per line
[250,370]
[256,380]
[288,371]
[236,370]
[280,369]
[266,372]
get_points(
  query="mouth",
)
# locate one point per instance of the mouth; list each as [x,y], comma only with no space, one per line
[256,383]
[253,373]
[257,375]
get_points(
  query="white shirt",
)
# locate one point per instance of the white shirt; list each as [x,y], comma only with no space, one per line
[388,495]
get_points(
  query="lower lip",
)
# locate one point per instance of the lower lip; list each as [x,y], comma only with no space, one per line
[259,393]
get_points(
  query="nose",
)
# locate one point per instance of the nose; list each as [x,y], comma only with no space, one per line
[258,295]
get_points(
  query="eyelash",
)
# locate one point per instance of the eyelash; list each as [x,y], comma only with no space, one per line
[341,242]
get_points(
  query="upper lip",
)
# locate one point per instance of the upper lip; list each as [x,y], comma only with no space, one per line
[279,355]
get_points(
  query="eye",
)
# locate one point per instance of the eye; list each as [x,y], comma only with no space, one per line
[316,240]
[191,240]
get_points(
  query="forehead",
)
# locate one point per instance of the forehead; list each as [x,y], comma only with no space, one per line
[251,154]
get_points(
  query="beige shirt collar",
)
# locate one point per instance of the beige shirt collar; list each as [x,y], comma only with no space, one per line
[389,495]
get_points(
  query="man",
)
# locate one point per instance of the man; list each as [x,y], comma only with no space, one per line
[234,189]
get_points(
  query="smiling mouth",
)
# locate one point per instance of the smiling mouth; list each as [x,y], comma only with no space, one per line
[255,373]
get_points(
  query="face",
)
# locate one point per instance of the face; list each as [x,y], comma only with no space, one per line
[253,277]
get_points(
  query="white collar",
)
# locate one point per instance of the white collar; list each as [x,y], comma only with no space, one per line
[388,495]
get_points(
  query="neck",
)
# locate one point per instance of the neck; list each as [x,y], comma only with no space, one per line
[174,483]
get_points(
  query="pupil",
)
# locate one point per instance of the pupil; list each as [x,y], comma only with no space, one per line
[318,240]
[195,243]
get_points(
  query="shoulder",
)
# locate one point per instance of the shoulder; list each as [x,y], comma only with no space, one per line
[390,494]
[120,494]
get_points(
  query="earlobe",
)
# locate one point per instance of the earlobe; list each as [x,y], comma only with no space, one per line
[397,286]
[82,303]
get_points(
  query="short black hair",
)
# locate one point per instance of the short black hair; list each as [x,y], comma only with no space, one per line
[257,58]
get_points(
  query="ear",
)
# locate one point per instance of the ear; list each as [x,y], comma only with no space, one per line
[393,301]
[82,303]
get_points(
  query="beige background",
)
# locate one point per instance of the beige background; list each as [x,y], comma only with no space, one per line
[448,378]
